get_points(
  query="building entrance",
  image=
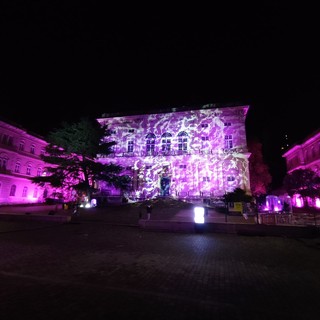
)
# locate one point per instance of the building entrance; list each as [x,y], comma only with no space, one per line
[164,186]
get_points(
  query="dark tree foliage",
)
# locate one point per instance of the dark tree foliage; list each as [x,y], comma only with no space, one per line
[302,181]
[238,195]
[72,150]
[260,177]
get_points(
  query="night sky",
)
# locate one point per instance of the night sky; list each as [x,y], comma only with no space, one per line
[65,60]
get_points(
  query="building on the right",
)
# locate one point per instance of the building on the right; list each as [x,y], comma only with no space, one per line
[303,156]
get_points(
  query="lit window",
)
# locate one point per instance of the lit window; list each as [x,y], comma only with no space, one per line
[130,146]
[228,144]
[182,141]
[166,141]
[150,142]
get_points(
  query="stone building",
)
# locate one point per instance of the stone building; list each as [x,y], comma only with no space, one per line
[304,155]
[181,152]
[20,153]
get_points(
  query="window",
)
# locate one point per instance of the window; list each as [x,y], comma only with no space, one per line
[131,130]
[228,141]
[17,167]
[7,140]
[148,167]
[130,146]
[206,138]
[24,192]
[21,146]
[3,163]
[39,172]
[150,142]
[13,190]
[230,178]
[227,124]
[110,132]
[32,148]
[28,172]
[204,125]
[166,142]
[182,141]
[183,166]
[206,179]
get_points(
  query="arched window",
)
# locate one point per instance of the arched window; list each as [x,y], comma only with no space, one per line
[150,143]
[21,145]
[25,191]
[182,141]
[3,162]
[13,190]
[17,167]
[166,141]
[28,172]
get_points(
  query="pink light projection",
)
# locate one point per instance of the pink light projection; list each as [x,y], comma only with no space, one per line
[193,153]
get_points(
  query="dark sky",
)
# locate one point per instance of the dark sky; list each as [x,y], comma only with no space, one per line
[63,60]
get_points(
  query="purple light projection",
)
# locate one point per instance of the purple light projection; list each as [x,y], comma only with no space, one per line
[194,153]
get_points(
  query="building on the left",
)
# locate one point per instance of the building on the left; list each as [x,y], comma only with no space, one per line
[20,159]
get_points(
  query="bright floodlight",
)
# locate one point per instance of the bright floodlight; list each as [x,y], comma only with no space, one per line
[199,215]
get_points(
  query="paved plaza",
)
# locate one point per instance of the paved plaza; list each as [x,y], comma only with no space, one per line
[91,268]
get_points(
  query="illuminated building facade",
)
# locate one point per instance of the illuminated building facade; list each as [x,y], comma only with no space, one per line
[305,155]
[181,153]
[19,160]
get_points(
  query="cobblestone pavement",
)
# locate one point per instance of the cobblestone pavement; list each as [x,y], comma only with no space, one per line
[93,269]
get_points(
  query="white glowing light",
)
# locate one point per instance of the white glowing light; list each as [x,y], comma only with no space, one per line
[198,214]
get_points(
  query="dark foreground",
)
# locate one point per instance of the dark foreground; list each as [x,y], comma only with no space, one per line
[93,269]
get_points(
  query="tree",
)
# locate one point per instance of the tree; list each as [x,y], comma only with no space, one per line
[302,181]
[71,153]
[238,195]
[260,177]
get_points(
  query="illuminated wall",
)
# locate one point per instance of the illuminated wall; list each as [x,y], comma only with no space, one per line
[181,153]
[19,160]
